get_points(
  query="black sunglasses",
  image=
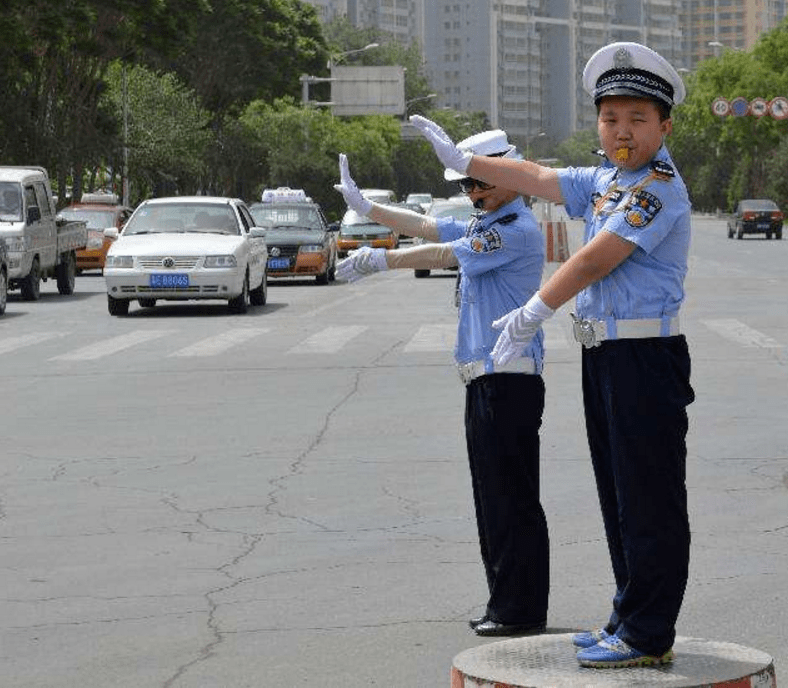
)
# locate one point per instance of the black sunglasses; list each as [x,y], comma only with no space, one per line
[468,184]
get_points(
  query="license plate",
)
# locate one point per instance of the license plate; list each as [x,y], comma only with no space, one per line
[169,281]
[278,263]
[763,225]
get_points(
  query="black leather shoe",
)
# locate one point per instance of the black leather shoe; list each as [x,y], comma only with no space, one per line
[473,623]
[490,627]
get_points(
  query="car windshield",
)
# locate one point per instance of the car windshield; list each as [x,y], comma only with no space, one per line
[459,211]
[179,218]
[95,219]
[10,202]
[353,224]
[286,216]
[418,198]
[758,205]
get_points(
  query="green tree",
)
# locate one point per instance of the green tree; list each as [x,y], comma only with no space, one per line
[724,159]
[168,132]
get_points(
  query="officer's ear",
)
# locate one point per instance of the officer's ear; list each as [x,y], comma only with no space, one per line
[666,127]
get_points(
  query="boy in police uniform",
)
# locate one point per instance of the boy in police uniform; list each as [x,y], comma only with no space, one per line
[501,257]
[628,282]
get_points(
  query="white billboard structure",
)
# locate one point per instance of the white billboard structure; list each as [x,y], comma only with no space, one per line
[367,90]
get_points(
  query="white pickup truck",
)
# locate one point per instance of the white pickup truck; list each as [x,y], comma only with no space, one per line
[39,245]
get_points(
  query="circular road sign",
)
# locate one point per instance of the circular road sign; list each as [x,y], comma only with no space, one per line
[740,107]
[778,107]
[721,107]
[758,107]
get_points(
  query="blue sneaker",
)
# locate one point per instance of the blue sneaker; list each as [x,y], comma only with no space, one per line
[614,653]
[589,638]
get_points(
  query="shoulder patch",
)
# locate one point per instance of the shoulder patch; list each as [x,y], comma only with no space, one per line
[662,170]
[642,209]
[486,241]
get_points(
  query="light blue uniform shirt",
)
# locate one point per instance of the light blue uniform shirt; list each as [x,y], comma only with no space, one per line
[501,257]
[648,207]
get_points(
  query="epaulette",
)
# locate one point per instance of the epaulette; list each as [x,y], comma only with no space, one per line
[506,219]
[662,170]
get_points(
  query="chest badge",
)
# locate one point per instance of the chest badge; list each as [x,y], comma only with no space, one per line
[642,209]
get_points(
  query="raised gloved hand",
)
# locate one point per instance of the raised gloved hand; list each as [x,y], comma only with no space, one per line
[361,263]
[452,157]
[518,328]
[347,187]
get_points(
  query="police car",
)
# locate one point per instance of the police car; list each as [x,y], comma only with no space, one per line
[300,242]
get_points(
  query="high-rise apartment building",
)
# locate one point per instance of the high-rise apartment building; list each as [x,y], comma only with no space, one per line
[710,26]
[521,61]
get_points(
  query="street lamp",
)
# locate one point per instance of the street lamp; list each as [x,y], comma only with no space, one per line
[410,102]
[528,144]
[336,58]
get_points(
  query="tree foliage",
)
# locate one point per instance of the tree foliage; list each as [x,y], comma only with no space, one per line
[724,159]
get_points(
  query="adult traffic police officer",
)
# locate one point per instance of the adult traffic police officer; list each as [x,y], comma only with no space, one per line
[501,256]
[628,282]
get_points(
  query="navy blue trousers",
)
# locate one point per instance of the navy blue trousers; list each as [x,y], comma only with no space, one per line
[635,393]
[503,413]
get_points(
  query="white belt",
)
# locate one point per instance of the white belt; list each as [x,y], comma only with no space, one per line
[592,332]
[470,371]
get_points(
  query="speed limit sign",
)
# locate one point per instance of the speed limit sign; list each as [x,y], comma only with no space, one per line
[778,107]
[721,107]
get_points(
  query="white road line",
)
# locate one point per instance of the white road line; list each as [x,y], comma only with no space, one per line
[740,333]
[213,346]
[328,341]
[112,345]
[12,343]
[433,338]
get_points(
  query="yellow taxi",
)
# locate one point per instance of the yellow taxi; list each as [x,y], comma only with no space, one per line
[100,211]
[358,230]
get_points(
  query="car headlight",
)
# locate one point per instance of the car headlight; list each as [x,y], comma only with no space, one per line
[95,239]
[16,244]
[310,248]
[220,262]
[119,262]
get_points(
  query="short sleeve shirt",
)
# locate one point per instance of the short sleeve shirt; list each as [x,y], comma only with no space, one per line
[648,207]
[501,257]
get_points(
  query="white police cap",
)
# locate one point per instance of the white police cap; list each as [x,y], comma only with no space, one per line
[492,143]
[631,69]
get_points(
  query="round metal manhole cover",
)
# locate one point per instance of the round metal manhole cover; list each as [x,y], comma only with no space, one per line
[549,660]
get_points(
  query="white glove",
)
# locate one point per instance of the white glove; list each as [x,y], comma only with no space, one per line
[347,187]
[519,327]
[361,263]
[451,156]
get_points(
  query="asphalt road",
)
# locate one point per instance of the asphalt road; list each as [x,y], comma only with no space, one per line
[195,499]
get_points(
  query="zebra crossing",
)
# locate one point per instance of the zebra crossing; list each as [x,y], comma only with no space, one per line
[424,338]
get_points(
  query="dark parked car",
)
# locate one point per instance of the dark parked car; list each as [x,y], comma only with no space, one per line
[756,216]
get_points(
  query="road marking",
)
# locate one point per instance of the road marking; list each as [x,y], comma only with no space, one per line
[328,341]
[213,346]
[110,346]
[739,333]
[12,343]
[433,338]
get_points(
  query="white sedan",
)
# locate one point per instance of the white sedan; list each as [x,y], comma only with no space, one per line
[183,248]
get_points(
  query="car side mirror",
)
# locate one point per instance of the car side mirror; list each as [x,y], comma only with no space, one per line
[257,232]
[333,227]
[33,214]
[111,232]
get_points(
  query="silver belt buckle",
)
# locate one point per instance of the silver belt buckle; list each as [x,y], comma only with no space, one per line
[466,372]
[584,332]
